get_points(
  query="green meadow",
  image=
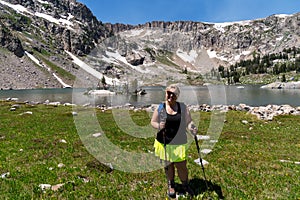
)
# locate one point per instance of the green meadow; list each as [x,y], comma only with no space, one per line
[40,144]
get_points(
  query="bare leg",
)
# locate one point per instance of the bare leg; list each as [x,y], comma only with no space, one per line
[170,174]
[182,170]
[170,171]
[183,175]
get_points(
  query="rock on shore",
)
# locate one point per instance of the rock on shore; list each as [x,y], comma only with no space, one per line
[262,112]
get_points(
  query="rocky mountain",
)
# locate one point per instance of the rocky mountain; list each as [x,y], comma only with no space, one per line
[34,37]
[60,43]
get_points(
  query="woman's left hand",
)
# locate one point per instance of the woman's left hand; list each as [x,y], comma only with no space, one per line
[194,130]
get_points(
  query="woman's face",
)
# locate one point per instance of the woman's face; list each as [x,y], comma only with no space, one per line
[170,95]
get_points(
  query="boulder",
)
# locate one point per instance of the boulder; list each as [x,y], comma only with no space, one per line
[135,59]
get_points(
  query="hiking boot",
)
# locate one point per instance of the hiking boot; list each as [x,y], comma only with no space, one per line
[171,189]
[187,188]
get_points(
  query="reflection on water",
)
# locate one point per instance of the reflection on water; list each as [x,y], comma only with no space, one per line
[213,95]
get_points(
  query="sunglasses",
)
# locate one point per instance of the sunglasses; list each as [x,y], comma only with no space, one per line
[171,94]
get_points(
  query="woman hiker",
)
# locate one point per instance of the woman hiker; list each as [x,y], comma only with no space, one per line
[172,119]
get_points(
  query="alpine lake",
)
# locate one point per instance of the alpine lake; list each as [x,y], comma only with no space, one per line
[252,95]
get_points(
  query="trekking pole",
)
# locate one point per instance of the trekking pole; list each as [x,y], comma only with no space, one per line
[200,159]
[165,147]
[163,118]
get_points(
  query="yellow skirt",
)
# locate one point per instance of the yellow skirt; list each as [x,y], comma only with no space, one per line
[175,153]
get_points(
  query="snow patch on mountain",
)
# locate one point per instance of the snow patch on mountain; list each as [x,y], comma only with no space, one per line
[114,57]
[244,53]
[61,81]
[91,70]
[213,54]
[43,2]
[133,33]
[64,21]
[35,60]
[279,38]
[18,8]
[221,26]
[60,21]
[283,15]
[187,57]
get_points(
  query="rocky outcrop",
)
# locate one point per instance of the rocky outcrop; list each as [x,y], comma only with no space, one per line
[46,29]
[10,42]
[65,25]
[232,39]
[182,26]
[135,59]
[261,112]
[271,111]
[20,73]
[283,85]
[115,28]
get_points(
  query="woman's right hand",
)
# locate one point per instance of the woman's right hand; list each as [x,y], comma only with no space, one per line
[162,125]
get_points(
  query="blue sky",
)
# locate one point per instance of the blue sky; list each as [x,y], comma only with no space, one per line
[141,11]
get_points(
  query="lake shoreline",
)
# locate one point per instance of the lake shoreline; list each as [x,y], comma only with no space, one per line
[261,112]
[252,95]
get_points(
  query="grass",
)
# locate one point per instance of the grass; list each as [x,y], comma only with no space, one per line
[244,164]
[164,58]
[268,78]
[54,67]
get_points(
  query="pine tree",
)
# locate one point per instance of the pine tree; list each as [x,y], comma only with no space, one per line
[103,81]
[283,78]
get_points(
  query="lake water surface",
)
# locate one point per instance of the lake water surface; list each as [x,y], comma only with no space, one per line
[251,95]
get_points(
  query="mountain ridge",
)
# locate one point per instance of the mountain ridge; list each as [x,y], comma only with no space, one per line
[54,32]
